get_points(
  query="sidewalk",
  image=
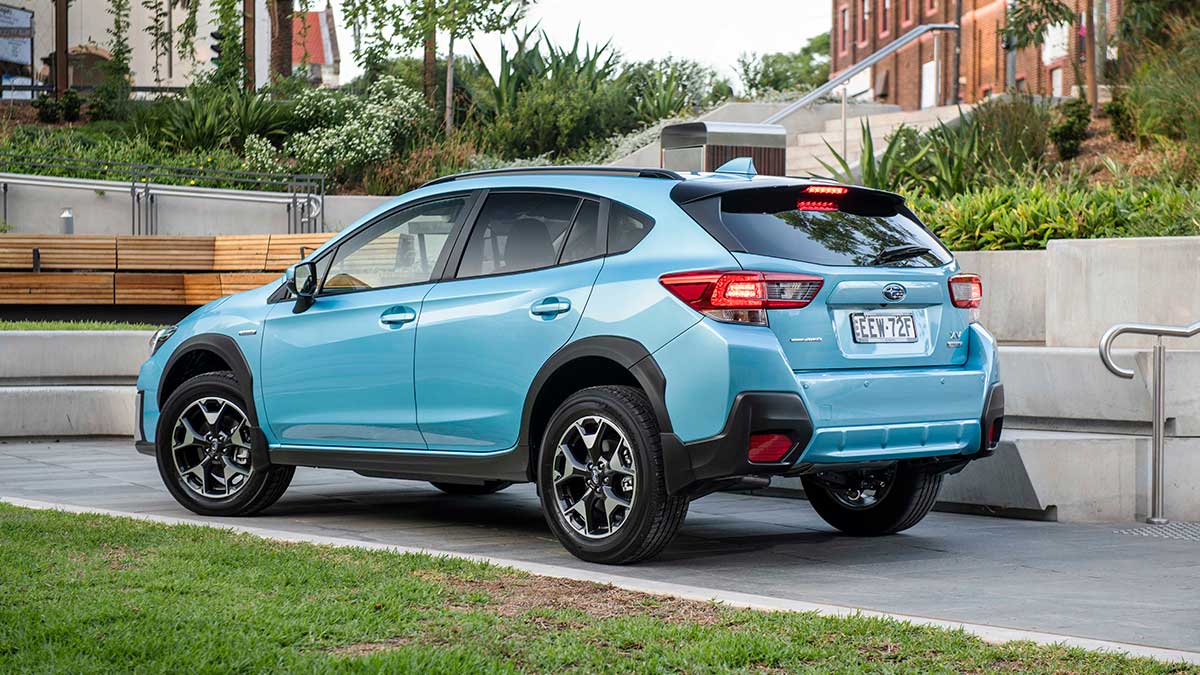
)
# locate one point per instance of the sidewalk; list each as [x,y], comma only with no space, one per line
[1076,580]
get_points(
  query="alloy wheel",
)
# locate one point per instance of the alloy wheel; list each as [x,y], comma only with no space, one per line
[595,477]
[866,493]
[210,447]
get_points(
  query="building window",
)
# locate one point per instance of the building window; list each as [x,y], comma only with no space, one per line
[932,5]
[864,21]
[885,16]
[1056,83]
[844,40]
[906,10]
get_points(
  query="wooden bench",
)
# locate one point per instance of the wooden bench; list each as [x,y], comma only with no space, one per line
[58,251]
[56,288]
[162,254]
[148,270]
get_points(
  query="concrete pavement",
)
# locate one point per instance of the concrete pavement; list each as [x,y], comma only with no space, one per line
[1081,580]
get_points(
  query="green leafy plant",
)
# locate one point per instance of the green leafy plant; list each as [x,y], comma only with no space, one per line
[197,122]
[1118,113]
[71,103]
[110,99]
[49,109]
[890,170]
[661,96]
[1069,132]
[797,71]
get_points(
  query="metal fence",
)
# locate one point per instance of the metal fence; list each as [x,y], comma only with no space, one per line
[303,195]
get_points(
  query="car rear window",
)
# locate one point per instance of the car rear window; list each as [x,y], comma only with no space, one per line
[843,231]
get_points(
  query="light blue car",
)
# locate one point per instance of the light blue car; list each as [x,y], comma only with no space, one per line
[627,339]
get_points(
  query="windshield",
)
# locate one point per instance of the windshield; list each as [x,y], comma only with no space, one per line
[853,232]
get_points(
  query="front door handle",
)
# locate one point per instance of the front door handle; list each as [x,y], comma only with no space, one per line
[397,316]
[551,306]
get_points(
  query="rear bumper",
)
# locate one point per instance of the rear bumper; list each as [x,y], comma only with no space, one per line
[724,456]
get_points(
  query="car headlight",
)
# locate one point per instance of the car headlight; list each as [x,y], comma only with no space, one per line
[160,336]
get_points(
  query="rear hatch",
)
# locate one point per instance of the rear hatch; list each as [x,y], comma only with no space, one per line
[885,297]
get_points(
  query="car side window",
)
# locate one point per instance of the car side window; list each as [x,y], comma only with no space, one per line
[584,240]
[626,228]
[517,232]
[401,248]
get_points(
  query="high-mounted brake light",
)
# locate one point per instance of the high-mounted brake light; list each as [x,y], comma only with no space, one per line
[834,190]
[742,297]
[816,205]
[966,291]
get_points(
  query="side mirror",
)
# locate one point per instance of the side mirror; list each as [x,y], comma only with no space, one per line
[302,283]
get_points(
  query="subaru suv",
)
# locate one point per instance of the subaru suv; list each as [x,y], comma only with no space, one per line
[627,339]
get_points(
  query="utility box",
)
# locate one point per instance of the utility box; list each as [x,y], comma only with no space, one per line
[704,146]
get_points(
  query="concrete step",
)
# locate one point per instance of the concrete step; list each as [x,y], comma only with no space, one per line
[70,410]
[928,116]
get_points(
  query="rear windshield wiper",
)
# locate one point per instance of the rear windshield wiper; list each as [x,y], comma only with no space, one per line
[893,254]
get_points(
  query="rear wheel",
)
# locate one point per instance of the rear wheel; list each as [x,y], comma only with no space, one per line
[875,502]
[601,478]
[205,449]
[485,488]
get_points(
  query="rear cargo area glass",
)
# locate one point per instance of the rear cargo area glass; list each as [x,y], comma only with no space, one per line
[768,222]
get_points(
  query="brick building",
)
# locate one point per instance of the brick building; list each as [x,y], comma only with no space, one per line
[909,78]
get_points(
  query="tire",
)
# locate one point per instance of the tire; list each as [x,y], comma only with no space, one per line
[626,454]
[190,470]
[907,500]
[487,488]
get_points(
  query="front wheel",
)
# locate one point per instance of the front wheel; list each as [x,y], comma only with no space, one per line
[205,445]
[601,478]
[872,503]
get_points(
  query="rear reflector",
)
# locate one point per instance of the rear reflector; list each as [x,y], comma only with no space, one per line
[966,291]
[742,297]
[768,447]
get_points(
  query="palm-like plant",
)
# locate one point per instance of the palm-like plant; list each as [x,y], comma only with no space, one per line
[891,170]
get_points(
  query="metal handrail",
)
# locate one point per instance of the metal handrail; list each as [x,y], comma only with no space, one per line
[900,43]
[305,206]
[1158,403]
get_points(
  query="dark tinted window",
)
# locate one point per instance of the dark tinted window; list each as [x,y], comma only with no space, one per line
[584,240]
[516,232]
[767,222]
[626,228]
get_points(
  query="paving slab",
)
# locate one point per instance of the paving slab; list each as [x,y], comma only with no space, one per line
[1070,579]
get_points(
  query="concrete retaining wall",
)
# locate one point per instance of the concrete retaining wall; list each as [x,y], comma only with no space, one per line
[45,357]
[1014,292]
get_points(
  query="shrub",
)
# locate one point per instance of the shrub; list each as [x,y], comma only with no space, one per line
[562,116]
[399,174]
[71,103]
[1028,214]
[1015,127]
[49,109]
[1070,130]
[387,121]
[1117,111]
[1161,96]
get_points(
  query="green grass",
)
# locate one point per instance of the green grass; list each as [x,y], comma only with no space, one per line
[75,325]
[94,594]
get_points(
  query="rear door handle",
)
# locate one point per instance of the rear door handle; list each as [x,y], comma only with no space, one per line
[397,316]
[551,306]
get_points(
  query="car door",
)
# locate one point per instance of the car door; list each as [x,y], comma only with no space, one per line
[340,373]
[526,271]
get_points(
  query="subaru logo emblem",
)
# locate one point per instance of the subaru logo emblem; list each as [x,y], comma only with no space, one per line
[894,292]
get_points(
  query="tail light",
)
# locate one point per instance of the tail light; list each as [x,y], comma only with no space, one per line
[966,291]
[742,297]
[768,447]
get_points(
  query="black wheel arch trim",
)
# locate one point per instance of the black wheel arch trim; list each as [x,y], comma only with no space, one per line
[227,349]
[626,352]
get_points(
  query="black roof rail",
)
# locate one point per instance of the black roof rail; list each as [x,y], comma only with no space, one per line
[577,170]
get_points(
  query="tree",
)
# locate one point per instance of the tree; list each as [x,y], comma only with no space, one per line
[387,28]
[783,71]
[463,18]
[111,98]
[281,13]
[1026,24]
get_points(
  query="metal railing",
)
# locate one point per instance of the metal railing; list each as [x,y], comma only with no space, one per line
[891,48]
[1158,405]
[303,195]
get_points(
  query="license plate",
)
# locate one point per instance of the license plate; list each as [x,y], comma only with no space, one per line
[870,328]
